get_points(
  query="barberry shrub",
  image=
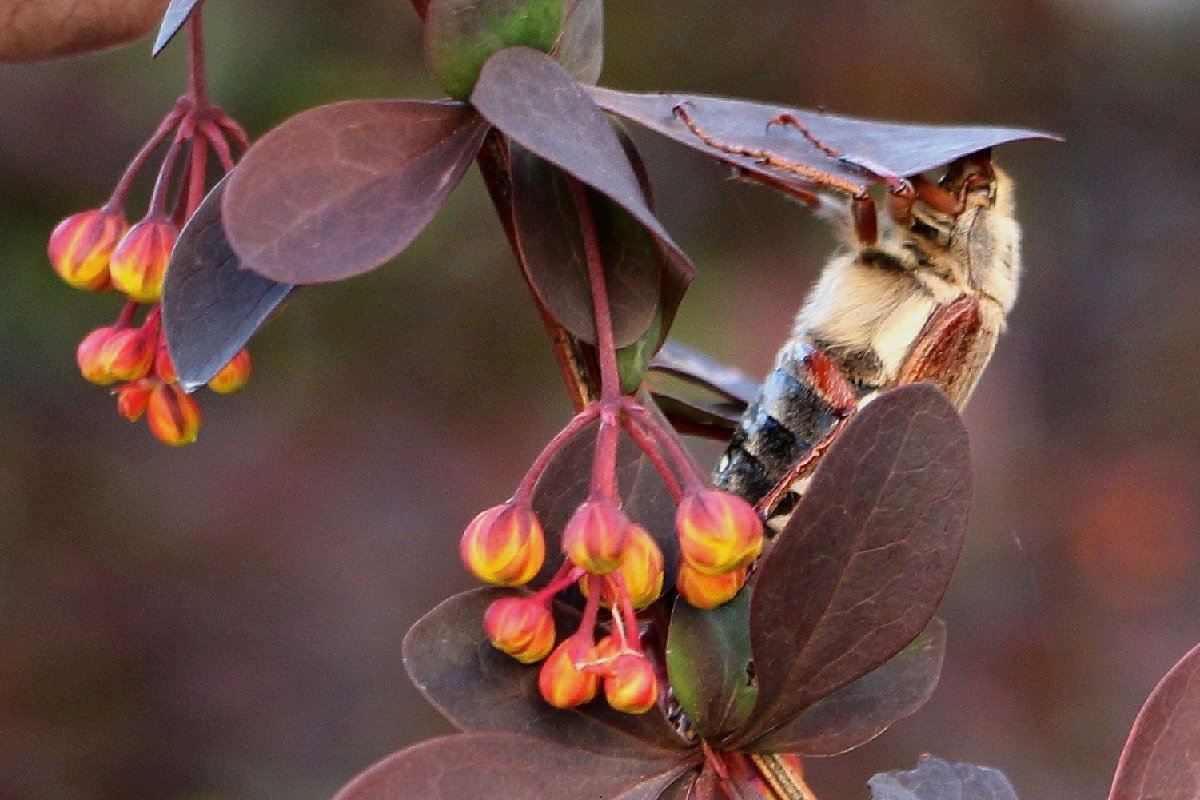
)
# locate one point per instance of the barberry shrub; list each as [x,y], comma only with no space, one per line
[641,638]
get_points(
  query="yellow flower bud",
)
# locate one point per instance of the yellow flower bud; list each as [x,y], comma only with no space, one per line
[173,415]
[595,537]
[139,261]
[718,532]
[81,246]
[233,375]
[641,568]
[631,685]
[709,591]
[521,627]
[561,681]
[504,545]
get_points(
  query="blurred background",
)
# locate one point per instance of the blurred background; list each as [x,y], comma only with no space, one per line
[223,621]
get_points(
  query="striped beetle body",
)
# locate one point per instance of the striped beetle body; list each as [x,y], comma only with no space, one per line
[927,301]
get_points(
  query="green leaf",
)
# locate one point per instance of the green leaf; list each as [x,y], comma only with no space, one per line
[708,662]
[460,35]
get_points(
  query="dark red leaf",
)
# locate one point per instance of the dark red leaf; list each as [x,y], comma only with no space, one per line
[173,18]
[700,395]
[479,766]
[865,708]
[866,557]
[708,661]
[580,47]
[479,688]
[934,779]
[533,100]
[211,306]
[871,149]
[1161,760]
[551,241]
[338,190]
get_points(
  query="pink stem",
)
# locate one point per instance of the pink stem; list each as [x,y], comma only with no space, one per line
[117,200]
[524,493]
[649,448]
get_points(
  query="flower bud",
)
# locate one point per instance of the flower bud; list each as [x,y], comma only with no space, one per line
[561,681]
[133,397]
[82,244]
[521,627]
[164,367]
[233,375]
[504,545]
[641,568]
[718,532]
[709,591]
[111,354]
[595,536]
[139,260]
[631,685]
[173,415]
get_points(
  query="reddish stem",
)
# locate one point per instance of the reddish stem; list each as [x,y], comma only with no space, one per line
[197,86]
[567,574]
[666,440]
[649,448]
[221,147]
[117,200]
[125,318]
[610,384]
[524,493]
[158,200]
[198,167]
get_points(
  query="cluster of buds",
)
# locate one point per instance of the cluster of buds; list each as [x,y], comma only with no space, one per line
[99,251]
[615,562]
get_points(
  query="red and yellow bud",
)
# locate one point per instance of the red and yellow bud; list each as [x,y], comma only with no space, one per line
[233,375]
[111,354]
[564,680]
[709,591]
[504,545]
[521,627]
[139,261]
[133,397]
[631,685]
[641,569]
[718,532]
[164,368]
[81,247]
[173,415]
[595,537]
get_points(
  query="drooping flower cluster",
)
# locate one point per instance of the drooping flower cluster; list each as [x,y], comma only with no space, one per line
[99,251]
[615,562]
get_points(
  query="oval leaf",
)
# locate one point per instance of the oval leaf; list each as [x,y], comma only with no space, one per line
[865,708]
[35,30]
[548,233]
[934,779]
[529,97]
[338,190]
[210,305]
[173,18]
[870,150]
[479,766]
[580,48]
[477,687]
[708,661]
[867,555]
[1160,760]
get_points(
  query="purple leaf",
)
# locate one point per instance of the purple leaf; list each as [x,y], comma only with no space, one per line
[706,372]
[479,688]
[580,46]
[173,18]
[551,242]
[699,395]
[871,150]
[708,661]
[482,766]
[865,708]
[338,190]
[1161,760]
[934,779]
[866,557]
[211,306]
[533,101]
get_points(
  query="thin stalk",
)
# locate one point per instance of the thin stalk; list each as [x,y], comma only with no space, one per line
[649,448]
[197,85]
[158,200]
[581,420]
[667,441]
[117,200]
